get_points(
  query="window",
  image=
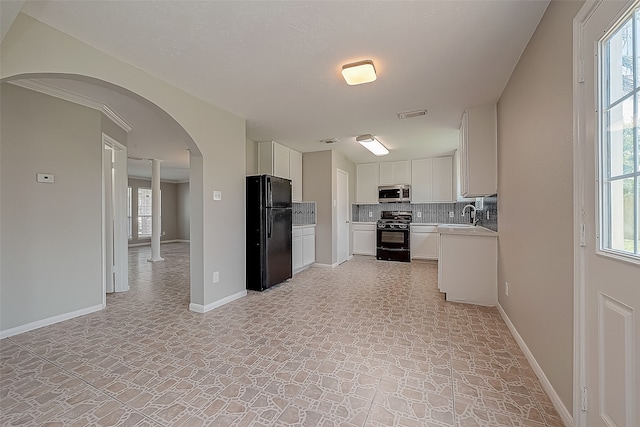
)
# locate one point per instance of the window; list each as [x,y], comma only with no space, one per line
[144,212]
[129,219]
[618,148]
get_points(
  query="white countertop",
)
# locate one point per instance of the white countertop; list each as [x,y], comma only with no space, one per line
[303,225]
[467,230]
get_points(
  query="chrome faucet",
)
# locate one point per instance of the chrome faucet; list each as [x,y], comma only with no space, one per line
[473,213]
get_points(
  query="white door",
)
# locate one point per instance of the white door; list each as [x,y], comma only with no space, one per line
[343,216]
[607,279]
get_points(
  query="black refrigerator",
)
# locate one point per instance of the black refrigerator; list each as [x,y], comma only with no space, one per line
[268,231]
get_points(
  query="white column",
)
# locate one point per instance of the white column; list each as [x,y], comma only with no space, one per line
[156,206]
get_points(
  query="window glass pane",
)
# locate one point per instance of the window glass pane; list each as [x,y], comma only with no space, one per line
[637,19]
[620,130]
[129,220]
[144,212]
[620,180]
[621,214]
[620,67]
[144,226]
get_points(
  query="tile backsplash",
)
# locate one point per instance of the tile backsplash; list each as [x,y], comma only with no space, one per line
[431,212]
[304,213]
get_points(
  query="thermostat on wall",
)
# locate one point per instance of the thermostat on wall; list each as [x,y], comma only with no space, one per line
[46,177]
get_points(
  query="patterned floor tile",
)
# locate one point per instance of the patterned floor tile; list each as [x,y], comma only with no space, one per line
[368,343]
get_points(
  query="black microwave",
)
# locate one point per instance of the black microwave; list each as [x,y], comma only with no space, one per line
[394,193]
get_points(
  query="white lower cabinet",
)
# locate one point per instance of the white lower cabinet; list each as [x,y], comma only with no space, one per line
[364,238]
[424,241]
[303,247]
[468,268]
[308,246]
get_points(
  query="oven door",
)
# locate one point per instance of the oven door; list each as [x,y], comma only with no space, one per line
[393,245]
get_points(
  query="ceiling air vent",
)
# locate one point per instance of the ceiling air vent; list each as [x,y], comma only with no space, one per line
[329,141]
[410,114]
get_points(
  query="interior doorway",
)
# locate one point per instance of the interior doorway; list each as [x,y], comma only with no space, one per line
[114,217]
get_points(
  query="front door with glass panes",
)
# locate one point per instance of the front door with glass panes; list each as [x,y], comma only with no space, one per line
[608,262]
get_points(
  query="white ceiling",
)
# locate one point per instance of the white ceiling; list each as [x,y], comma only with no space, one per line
[277,63]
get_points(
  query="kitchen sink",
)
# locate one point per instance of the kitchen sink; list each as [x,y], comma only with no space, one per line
[457,225]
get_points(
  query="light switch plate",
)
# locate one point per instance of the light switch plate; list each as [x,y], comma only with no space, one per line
[217,195]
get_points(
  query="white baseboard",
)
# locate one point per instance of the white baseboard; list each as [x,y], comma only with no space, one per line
[317,264]
[162,242]
[199,308]
[564,413]
[49,321]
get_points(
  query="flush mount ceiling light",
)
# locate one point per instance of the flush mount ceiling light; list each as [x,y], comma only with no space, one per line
[372,144]
[359,72]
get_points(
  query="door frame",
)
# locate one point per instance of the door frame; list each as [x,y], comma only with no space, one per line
[120,239]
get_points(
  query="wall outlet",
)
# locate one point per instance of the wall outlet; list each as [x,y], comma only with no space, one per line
[487,214]
[419,214]
[506,288]
[216,276]
[451,215]
[370,214]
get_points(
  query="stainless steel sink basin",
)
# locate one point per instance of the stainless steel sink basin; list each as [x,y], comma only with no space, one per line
[457,225]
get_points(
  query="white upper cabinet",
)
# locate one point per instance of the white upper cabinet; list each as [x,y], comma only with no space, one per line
[479,152]
[279,160]
[295,173]
[273,159]
[393,173]
[432,180]
[367,183]
[421,180]
[443,179]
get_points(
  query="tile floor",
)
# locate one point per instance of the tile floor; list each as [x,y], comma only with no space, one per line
[368,343]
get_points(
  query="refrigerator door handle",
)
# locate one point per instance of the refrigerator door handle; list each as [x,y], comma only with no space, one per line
[269,193]
[269,224]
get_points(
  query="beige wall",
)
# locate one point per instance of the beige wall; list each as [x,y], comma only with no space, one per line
[183,210]
[217,149]
[535,190]
[51,233]
[346,165]
[252,157]
[317,186]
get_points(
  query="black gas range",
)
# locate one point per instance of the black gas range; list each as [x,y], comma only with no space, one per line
[392,236]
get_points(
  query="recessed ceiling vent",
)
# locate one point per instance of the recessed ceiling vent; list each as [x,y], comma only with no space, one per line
[330,141]
[410,114]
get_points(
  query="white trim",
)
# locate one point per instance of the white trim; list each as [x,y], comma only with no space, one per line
[49,321]
[317,264]
[199,308]
[544,381]
[115,118]
[148,179]
[76,98]
[135,245]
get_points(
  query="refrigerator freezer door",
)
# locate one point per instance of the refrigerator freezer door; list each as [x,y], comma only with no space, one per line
[278,192]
